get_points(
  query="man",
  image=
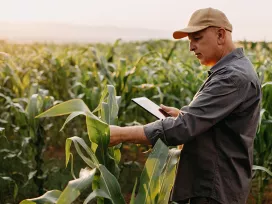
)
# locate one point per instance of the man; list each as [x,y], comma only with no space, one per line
[218,127]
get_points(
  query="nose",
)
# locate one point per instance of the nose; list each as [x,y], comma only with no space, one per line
[192,46]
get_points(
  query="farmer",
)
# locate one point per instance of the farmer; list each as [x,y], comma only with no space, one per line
[218,127]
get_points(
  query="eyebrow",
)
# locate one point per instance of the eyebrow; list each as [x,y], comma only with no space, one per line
[190,35]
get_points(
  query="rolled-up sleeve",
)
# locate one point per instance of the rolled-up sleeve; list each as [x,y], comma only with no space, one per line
[219,97]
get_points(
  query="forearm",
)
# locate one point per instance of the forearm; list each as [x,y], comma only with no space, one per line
[131,134]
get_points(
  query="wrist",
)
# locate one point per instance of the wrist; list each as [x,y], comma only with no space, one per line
[122,134]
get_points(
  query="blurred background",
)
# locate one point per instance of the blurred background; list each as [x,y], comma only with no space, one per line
[105,21]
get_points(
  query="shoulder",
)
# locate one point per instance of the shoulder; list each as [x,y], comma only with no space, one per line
[234,74]
[225,76]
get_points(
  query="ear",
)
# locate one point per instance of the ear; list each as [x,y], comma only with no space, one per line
[221,36]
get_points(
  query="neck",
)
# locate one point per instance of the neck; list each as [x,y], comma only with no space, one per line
[227,50]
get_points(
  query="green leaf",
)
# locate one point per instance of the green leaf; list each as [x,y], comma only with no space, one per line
[110,185]
[260,119]
[132,199]
[74,105]
[167,177]
[15,190]
[267,83]
[262,169]
[32,110]
[104,94]
[2,133]
[70,117]
[9,69]
[72,166]
[96,193]
[50,197]
[118,100]
[117,155]
[105,112]
[75,187]
[99,133]
[31,202]
[31,174]
[150,177]
[93,162]
[67,150]
[113,106]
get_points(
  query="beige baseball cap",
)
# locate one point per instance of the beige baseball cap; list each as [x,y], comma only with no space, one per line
[204,18]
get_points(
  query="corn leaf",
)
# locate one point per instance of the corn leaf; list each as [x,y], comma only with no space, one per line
[109,184]
[168,176]
[93,162]
[255,167]
[32,110]
[267,83]
[15,190]
[150,177]
[99,133]
[96,193]
[113,106]
[70,117]
[74,105]
[104,94]
[50,197]
[132,199]
[75,187]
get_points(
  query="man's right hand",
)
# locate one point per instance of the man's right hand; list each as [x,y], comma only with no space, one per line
[174,112]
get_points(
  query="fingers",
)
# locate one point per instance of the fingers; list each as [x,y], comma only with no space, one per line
[165,108]
[170,110]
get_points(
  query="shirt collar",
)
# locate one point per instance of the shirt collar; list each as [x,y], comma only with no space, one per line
[235,54]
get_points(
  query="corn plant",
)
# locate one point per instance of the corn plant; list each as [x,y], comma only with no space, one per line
[26,151]
[102,172]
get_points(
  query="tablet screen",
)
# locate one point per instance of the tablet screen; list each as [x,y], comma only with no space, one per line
[151,107]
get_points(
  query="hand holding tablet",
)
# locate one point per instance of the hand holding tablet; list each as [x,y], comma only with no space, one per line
[151,107]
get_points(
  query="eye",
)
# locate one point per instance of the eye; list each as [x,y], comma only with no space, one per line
[197,38]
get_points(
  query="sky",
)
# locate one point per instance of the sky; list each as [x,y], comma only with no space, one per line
[251,19]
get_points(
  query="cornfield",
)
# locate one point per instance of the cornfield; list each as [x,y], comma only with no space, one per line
[95,83]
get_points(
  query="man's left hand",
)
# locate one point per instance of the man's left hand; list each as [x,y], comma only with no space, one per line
[115,135]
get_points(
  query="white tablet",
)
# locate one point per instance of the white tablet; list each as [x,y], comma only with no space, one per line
[151,107]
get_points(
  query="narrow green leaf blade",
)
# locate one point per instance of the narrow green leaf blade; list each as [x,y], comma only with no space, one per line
[68,150]
[96,193]
[99,133]
[50,197]
[15,189]
[110,185]
[149,181]
[113,106]
[70,117]
[103,96]
[105,112]
[79,141]
[32,109]
[67,107]
[255,167]
[132,199]
[267,83]
[168,176]
[97,130]
[75,187]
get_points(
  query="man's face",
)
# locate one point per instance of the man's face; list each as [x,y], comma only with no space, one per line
[204,45]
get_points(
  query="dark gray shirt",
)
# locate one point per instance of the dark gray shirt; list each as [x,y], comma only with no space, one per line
[217,129]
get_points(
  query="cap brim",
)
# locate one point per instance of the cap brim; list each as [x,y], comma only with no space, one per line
[184,32]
